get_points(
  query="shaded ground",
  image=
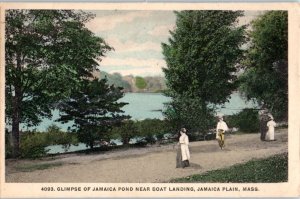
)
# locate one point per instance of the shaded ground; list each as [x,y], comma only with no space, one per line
[145,165]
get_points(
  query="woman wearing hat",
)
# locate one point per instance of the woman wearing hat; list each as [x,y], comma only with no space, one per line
[183,153]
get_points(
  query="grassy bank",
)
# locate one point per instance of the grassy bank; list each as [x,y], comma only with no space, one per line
[272,169]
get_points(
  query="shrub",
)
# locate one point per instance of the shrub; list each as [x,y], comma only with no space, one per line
[145,131]
[141,143]
[150,139]
[33,145]
[126,131]
[152,129]
[247,120]
[55,136]
[8,144]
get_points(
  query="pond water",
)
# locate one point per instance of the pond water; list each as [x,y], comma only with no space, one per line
[150,105]
[142,106]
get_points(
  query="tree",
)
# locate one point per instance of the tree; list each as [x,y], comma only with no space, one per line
[94,110]
[192,114]
[115,79]
[47,52]
[246,120]
[152,129]
[140,82]
[201,57]
[266,64]
[126,131]
[155,83]
[55,136]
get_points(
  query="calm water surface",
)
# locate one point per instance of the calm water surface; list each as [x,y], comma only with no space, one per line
[150,105]
[142,106]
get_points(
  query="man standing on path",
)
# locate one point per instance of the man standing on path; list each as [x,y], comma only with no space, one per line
[263,120]
[221,129]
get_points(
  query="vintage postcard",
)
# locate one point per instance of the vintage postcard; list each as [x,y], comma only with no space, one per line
[149,100]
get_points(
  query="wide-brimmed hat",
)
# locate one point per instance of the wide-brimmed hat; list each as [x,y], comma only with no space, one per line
[270,116]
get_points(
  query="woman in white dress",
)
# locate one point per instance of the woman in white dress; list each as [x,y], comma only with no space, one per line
[271,129]
[183,153]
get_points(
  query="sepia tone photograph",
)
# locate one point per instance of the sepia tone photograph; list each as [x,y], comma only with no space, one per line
[183,98]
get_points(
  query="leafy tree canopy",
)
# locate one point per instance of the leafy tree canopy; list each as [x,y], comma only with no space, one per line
[126,131]
[140,82]
[266,63]
[115,79]
[201,58]
[47,53]
[202,53]
[94,110]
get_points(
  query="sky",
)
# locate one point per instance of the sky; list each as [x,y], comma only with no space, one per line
[136,37]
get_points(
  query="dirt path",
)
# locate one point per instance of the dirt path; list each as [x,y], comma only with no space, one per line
[148,165]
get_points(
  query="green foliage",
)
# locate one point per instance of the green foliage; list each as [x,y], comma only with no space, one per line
[8,144]
[192,114]
[155,84]
[33,145]
[47,54]
[247,121]
[201,57]
[140,82]
[115,79]
[53,50]
[94,110]
[202,54]
[266,63]
[55,136]
[126,131]
[144,131]
[152,129]
[270,170]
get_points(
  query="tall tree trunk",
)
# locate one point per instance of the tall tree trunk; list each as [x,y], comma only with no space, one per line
[16,115]
[15,128]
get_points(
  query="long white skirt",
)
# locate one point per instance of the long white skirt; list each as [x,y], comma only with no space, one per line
[185,152]
[270,135]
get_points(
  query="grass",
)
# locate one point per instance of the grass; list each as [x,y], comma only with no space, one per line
[33,167]
[270,170]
